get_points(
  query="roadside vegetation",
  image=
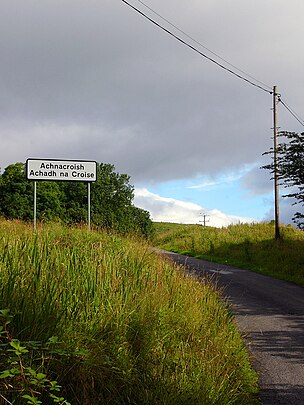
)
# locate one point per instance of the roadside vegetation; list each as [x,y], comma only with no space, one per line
[66,201]
[98,318]
[250,246]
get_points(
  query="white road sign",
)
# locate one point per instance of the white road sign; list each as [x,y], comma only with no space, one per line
[68,170]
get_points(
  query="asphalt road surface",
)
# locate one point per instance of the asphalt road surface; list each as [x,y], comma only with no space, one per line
[270,314]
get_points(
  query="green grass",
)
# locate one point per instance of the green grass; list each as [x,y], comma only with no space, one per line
[250,246]
[132,327]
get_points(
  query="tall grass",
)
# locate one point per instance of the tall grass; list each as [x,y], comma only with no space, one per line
[250,246]
[134,329]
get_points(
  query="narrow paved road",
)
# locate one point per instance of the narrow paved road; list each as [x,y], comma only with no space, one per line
[270,313]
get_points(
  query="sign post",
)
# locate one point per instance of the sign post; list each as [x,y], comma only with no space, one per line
[61,170]
[89,206]
[35,204]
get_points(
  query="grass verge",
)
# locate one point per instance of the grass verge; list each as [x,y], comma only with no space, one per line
[250,246]
[127,326]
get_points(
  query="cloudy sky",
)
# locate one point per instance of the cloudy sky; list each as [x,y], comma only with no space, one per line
[94,80]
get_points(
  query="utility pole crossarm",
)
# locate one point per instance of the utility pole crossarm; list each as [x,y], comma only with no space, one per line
[204,221]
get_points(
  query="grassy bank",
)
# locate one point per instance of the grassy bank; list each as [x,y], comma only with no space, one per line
[113,323]
[250,246]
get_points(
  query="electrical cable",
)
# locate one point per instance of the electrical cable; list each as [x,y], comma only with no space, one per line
[195,49]
[203,46]
[293,113]
[253,81]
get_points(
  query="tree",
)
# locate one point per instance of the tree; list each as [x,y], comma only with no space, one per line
[291,169]
[16,193]
[112,197]
[141,221]
[111,200]
[16,196]
[49,201]
[74,201]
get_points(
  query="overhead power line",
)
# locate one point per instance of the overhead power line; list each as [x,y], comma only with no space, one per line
[292,112]
[259,86]
[254,82]
[241,75]
[201,45]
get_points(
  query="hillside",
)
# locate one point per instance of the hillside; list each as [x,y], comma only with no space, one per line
[250,246]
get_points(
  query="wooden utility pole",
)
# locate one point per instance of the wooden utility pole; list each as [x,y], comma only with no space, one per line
[275,164]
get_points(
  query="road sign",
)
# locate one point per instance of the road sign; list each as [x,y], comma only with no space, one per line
[61,170]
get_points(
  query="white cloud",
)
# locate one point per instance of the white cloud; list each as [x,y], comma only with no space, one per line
[163,209]
[226,178]
[206,184]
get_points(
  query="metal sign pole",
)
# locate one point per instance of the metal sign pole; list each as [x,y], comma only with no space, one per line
[35,205]
[58,169]
[89,206]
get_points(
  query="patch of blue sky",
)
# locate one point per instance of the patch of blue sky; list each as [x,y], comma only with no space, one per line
[225,193]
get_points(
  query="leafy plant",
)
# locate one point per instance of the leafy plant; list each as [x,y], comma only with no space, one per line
[21,378]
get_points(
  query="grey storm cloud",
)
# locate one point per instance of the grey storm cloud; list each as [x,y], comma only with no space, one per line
[258,181]
[95,80]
